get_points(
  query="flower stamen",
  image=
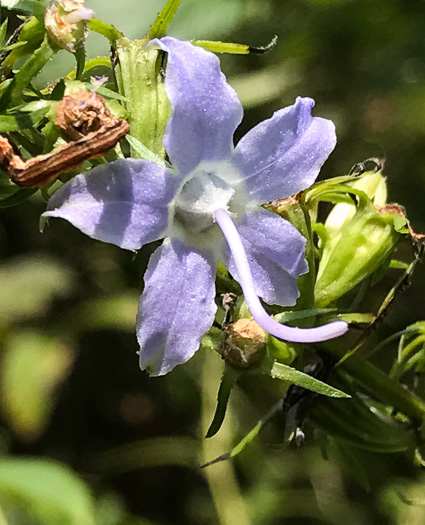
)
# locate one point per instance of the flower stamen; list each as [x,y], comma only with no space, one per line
[287,333]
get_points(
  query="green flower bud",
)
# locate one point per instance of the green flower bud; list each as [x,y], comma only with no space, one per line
[65,22]
[360,240]
[375,187]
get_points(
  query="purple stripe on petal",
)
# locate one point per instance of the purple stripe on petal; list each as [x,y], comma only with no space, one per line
[124,202]
[177,306]
[206,109]
[284,154]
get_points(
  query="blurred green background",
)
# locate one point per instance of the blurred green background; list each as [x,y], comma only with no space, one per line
[110,446]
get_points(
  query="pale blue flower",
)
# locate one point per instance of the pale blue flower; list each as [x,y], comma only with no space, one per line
[212,194]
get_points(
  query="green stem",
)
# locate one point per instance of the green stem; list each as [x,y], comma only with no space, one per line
[381,386]
[140,81]
[221,478]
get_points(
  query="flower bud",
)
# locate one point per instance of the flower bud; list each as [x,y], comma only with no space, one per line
[359,241]
[371,183]
[65,22]
[245,343]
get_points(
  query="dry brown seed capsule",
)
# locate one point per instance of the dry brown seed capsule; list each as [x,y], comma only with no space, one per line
[245,343]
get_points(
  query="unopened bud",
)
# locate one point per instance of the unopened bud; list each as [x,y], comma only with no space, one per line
[245,343]
[65,22]
[371,183]
[360,241]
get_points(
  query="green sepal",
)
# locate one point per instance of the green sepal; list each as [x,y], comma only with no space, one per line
[162,22]
[281,351]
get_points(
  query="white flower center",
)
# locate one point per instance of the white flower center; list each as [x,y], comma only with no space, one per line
[210,187]
[199,198]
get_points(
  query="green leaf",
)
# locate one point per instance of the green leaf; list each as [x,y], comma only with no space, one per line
[48,491]
[16,45]
[287,317]
[29,285]
[109,313]
[108,31]
[400,224]
[16,198]
[295,377]
[223,47]
[29,7]
[21,120]
[357,318]
[249,438]
[26,74]
[3,31]
[228,381]
[144,152]
[160,26]
[161,451]
[32,367]
[24,117]
[108,93]
[398,265]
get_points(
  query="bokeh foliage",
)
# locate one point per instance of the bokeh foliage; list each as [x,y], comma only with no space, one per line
[120,448]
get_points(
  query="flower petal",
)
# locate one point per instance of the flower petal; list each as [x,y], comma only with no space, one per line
[177,306]
[275,251]
[206,109]
[284,154]
[124,202]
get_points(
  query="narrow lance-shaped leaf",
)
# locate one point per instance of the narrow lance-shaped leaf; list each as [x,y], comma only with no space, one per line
[160,26]
[228,381]
[287,373]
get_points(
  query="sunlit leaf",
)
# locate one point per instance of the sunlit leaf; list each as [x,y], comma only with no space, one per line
[287,373]
[48,491]
[33,366]
[28,286]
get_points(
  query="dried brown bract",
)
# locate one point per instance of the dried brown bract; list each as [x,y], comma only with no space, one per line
[82,117]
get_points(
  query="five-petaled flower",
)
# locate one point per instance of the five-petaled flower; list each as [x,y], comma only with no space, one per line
[208,208]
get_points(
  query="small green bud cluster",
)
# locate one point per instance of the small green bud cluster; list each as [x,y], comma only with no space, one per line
[358,239]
